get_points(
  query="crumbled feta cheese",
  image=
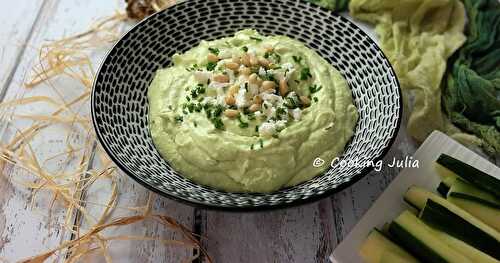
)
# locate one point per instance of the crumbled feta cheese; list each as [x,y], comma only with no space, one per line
[217,85]
[202,76]
[268,110]
[267,129]
[257,113]
[296,113]
[242,99]
[262,72]
[272,98]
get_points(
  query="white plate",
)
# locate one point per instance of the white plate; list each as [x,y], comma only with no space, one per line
[390,203]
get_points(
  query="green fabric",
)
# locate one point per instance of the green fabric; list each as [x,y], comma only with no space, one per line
[337,5]
[471,98]
[417,36]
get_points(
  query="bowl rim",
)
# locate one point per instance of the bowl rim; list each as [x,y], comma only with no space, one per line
[248,208]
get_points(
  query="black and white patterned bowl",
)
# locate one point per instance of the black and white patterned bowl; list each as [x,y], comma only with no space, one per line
[120,105]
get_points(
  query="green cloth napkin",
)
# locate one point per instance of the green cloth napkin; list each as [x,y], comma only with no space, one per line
[471,96]
[418,37]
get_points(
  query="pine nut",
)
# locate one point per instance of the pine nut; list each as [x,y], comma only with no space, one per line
[267,85]
[212,58]
[236,60]
[230,113]
[233,90]
[253,60]
[257,100]
[305,100]
[283,87]
[221,78]
[264,62]
[230,100]
[245,60]
[232,65]
[254,107]
[253,78]
[245,71]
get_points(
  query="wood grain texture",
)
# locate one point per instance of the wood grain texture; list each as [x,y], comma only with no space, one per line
[299,234]
[15,31]
[19,225]
[132,194]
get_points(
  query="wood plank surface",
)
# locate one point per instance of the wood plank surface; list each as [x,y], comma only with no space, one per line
[307,233]
[299,234]
[15,30]
[25,231]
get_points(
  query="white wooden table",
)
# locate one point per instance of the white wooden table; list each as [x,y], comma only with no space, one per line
[308,233]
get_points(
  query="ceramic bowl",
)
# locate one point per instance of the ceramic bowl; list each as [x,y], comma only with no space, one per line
[120,105]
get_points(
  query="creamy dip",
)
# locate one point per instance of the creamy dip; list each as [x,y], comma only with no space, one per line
[250,113]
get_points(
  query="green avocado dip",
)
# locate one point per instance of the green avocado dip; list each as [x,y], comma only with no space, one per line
[250,113]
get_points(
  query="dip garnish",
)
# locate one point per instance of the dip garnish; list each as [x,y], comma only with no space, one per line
[249,85]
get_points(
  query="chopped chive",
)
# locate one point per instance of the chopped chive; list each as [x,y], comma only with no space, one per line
[261,143]
[245,48]
[218,110]
[297,59]
[179,118]
[305,74]
[314,88]
[251,147]
[211,66]
[214,50]
[256,39]
[218,123]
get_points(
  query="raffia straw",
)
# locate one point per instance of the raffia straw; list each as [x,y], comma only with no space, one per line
[70,57]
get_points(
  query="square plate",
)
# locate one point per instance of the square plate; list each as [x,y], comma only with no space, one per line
[390,203]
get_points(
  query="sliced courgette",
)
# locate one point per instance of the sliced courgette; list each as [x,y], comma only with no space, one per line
[478,203]
[419,197]
[416,237]
[443,189]
[465,249]
[470,174]
[462,189]
[378,249]
[464,227]
[487,214]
